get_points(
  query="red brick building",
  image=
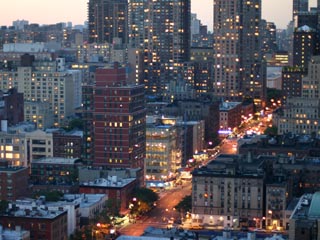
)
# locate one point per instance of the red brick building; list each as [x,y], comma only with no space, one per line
[119,120]
[230,115]
[42,224]
[11,106]
[118,191]
[67,144]
[13,182]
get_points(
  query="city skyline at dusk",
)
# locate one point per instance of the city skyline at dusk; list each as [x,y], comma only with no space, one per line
[47,12]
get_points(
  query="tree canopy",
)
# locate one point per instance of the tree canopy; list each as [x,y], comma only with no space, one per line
[145,195]
[185,205]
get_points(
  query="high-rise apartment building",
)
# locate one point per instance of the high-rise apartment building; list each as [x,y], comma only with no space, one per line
[119,115]
[107,20]
[162,29]
[300,6]
[239,69]
[304,46]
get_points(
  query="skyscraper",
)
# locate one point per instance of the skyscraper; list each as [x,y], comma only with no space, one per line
[107,20]
[300,6]
[239,70]
[162,29]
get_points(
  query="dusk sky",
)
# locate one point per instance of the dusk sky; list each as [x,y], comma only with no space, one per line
[48,11]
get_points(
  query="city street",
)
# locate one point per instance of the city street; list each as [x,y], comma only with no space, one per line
[163,215]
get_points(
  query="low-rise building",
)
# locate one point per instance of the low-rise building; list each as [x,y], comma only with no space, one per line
[16,234]
[230,116]
[90,205]
[13,181]
[305,219]
[41,222]
[228,192]
[55,174]
[118,190]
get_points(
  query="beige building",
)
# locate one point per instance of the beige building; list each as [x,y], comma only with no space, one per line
[38,113]
[301,115]
[276,204]
[228,192]
[22,143]
[47,82]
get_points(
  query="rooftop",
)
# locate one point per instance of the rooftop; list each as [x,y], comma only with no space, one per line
[111,181]
[56,160]
[308,207]
[29,209]
[85,200]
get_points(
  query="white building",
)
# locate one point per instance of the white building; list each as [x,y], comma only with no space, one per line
[90,204]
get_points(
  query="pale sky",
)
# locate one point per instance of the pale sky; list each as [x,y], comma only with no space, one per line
[49,12]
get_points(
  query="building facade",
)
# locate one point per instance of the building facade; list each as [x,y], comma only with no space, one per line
[42,224]
[163,151]
[238,67]
[119,120]
[224,197]
[107,20]
[14,181]
[162,29]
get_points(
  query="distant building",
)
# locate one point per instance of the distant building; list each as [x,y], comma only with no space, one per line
[304,46]
[48,82]
[163,57]
[300,115]
[11,106]
[107,19]
[239,70]
[67,144]
[292,81]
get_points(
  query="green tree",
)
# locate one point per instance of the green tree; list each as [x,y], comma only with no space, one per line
[113,207]
[145,195]
[75,123]
[272,131]
[274,94]
[3,206]
[185,205]
[51,196]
